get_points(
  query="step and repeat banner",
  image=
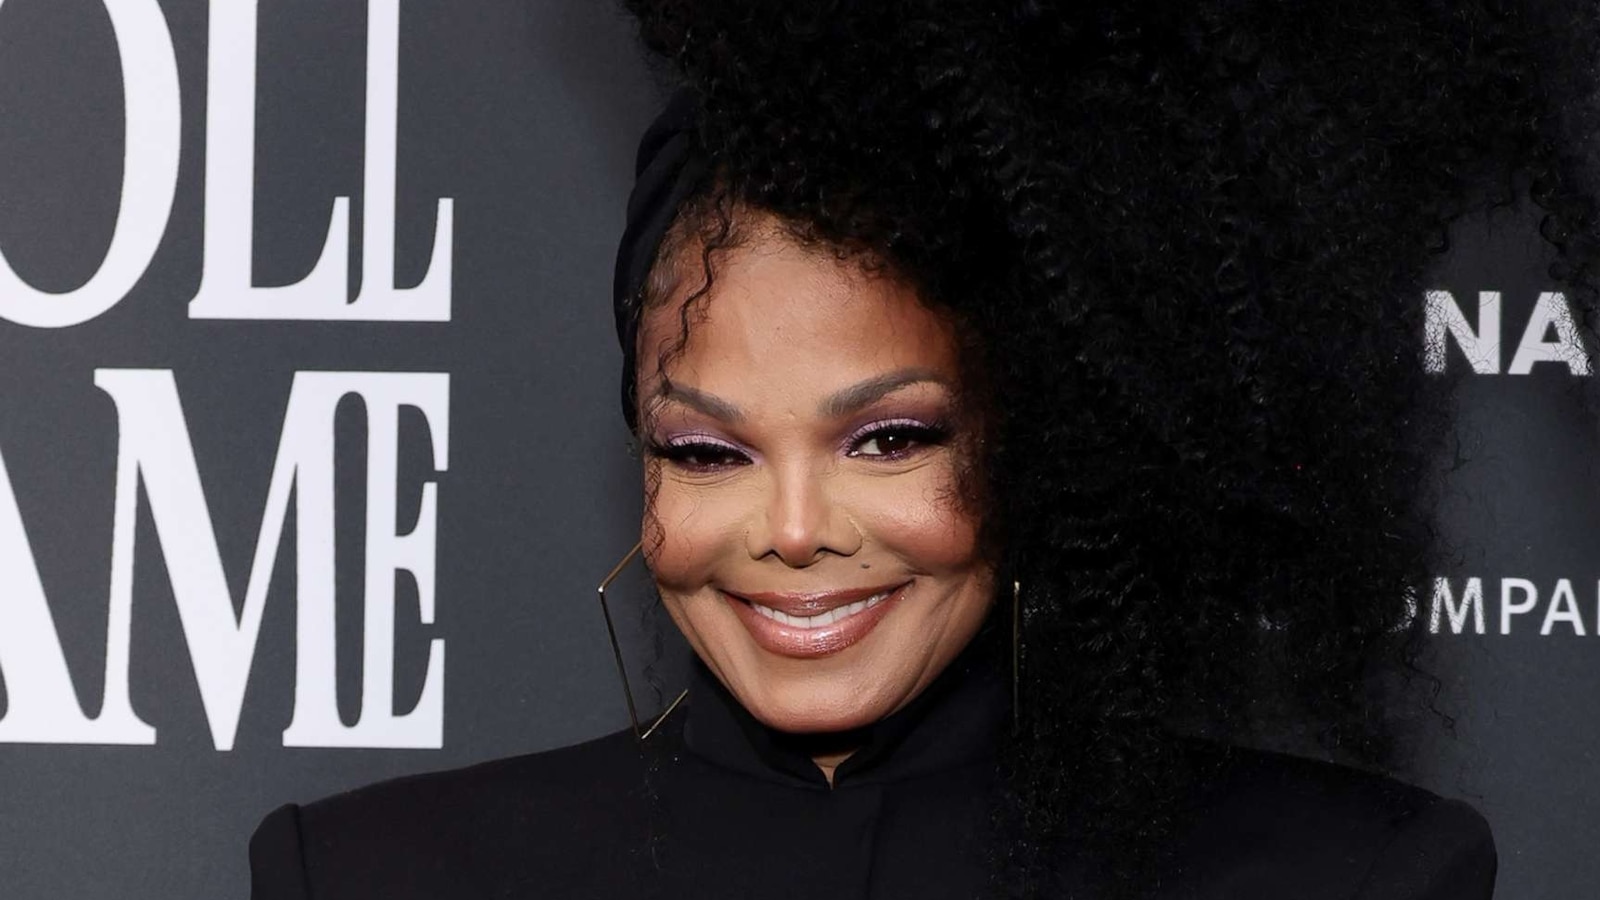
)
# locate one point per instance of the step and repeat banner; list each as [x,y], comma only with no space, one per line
[310,458]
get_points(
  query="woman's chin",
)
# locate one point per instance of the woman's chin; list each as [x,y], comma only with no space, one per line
[811,712]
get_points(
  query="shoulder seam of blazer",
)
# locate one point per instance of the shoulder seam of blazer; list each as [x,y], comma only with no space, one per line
[1440,851]
[278,844]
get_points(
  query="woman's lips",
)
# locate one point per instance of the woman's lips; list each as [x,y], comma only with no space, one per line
[814,625]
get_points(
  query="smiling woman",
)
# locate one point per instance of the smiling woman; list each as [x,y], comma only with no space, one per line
[803,451]
[1034,421]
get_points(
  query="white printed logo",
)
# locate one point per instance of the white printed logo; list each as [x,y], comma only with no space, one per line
[154,446]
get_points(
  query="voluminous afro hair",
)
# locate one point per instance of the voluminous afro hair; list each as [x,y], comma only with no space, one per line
[1188,243]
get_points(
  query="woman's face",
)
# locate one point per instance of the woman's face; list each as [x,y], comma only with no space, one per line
[803,527]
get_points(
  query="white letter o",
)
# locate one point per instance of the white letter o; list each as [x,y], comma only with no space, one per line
[149,177]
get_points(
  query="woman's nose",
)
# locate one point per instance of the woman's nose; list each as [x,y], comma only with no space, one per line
[800,522]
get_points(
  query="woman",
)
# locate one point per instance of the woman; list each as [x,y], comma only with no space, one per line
[1033,415]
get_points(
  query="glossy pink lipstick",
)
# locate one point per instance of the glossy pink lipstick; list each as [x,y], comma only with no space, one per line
[806,625]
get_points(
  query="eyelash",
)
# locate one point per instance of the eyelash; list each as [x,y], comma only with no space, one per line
[683,452]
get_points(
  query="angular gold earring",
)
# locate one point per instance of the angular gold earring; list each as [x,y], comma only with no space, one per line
[616,651]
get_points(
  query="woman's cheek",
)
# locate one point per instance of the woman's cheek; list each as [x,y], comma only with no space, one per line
[685,535]
[918,518]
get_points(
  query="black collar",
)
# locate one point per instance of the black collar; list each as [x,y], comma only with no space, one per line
[955,721]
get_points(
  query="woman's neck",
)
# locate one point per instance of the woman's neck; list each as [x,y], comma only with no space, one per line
[828,750]
[827,762]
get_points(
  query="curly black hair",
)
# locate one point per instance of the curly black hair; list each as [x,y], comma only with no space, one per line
[1188,245]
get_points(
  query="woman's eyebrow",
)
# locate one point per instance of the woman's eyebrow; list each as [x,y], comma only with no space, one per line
[700,401]
[839,404]
[853,398]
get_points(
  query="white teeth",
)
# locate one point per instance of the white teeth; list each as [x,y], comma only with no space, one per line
[821,620]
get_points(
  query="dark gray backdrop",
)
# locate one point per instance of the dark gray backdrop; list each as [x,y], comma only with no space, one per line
[523,115]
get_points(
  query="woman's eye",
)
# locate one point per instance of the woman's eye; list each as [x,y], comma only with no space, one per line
[895,441]
[698,456]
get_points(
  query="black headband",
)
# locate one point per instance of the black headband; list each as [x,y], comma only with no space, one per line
[666,171]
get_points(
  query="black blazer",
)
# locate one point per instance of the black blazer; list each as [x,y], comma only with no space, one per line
[716,806]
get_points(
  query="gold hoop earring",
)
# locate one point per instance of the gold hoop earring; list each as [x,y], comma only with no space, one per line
[1016,656]
[616,651]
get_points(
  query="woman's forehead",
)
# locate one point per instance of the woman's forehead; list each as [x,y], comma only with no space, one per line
[776,305]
